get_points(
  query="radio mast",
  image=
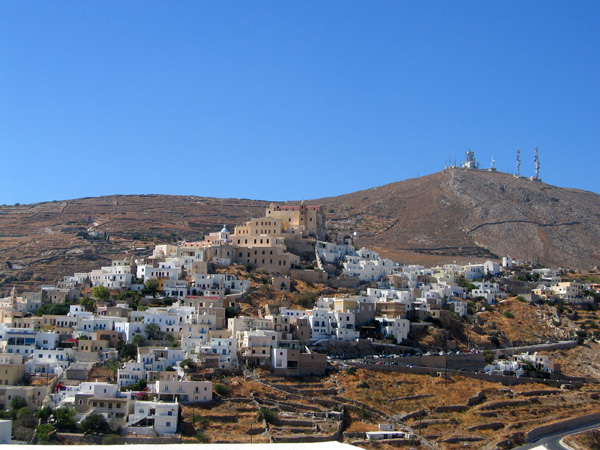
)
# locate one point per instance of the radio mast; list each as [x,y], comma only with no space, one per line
[536,161]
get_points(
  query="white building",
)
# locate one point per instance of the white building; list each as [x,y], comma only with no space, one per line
[492,268]
[130,373]
[159,416]
[147,272]
[331,253]
[183,391]
[398,328]
[49,361]
[367,266]
[226,348]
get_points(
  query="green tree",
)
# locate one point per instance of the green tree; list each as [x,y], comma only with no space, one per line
[151,288]
[167,301]
[101,292]
[64,419]
[128,351]
[43,431]
[17,403]
[152,331]
[24,424]
[138,340]
[88,304]
[54,309]
[25,418]
[95,423]
[230,312]
[128,295]
[489,356]
[44,414]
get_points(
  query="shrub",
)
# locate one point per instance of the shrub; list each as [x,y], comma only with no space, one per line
[112,439]
[188,364]
[95,423]
[200,420]
[508,314]
[364,414]
[139,386]
[305,299]
[202,437]
[267,415]
[494,340]
[221,389]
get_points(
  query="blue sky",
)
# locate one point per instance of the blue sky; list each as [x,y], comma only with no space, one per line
[289,100]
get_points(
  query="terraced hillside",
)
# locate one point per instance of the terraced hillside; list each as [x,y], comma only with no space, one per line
[436,413]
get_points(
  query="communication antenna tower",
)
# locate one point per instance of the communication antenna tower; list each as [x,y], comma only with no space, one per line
[518,163]
[537,166]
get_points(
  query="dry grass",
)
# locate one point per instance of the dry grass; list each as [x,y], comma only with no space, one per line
[590,440]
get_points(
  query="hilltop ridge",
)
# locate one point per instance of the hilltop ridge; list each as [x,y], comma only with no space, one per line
[461,214]
[453,215]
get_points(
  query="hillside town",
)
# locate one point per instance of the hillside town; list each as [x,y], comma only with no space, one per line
[164,327]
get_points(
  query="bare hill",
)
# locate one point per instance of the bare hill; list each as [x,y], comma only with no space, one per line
[53,239]
[453,215]
[467,215]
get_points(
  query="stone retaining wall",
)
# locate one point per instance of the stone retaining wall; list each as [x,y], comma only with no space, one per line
[487,426]
[539,392]
[457,439]
[224,419]
[451,408]
[294,423]
[93,439]
[536,348]
[412,415]
[504,379]
[552,428]
[315,438]
[476,399]
[504,404]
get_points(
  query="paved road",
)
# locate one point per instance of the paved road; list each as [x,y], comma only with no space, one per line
[552,442]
